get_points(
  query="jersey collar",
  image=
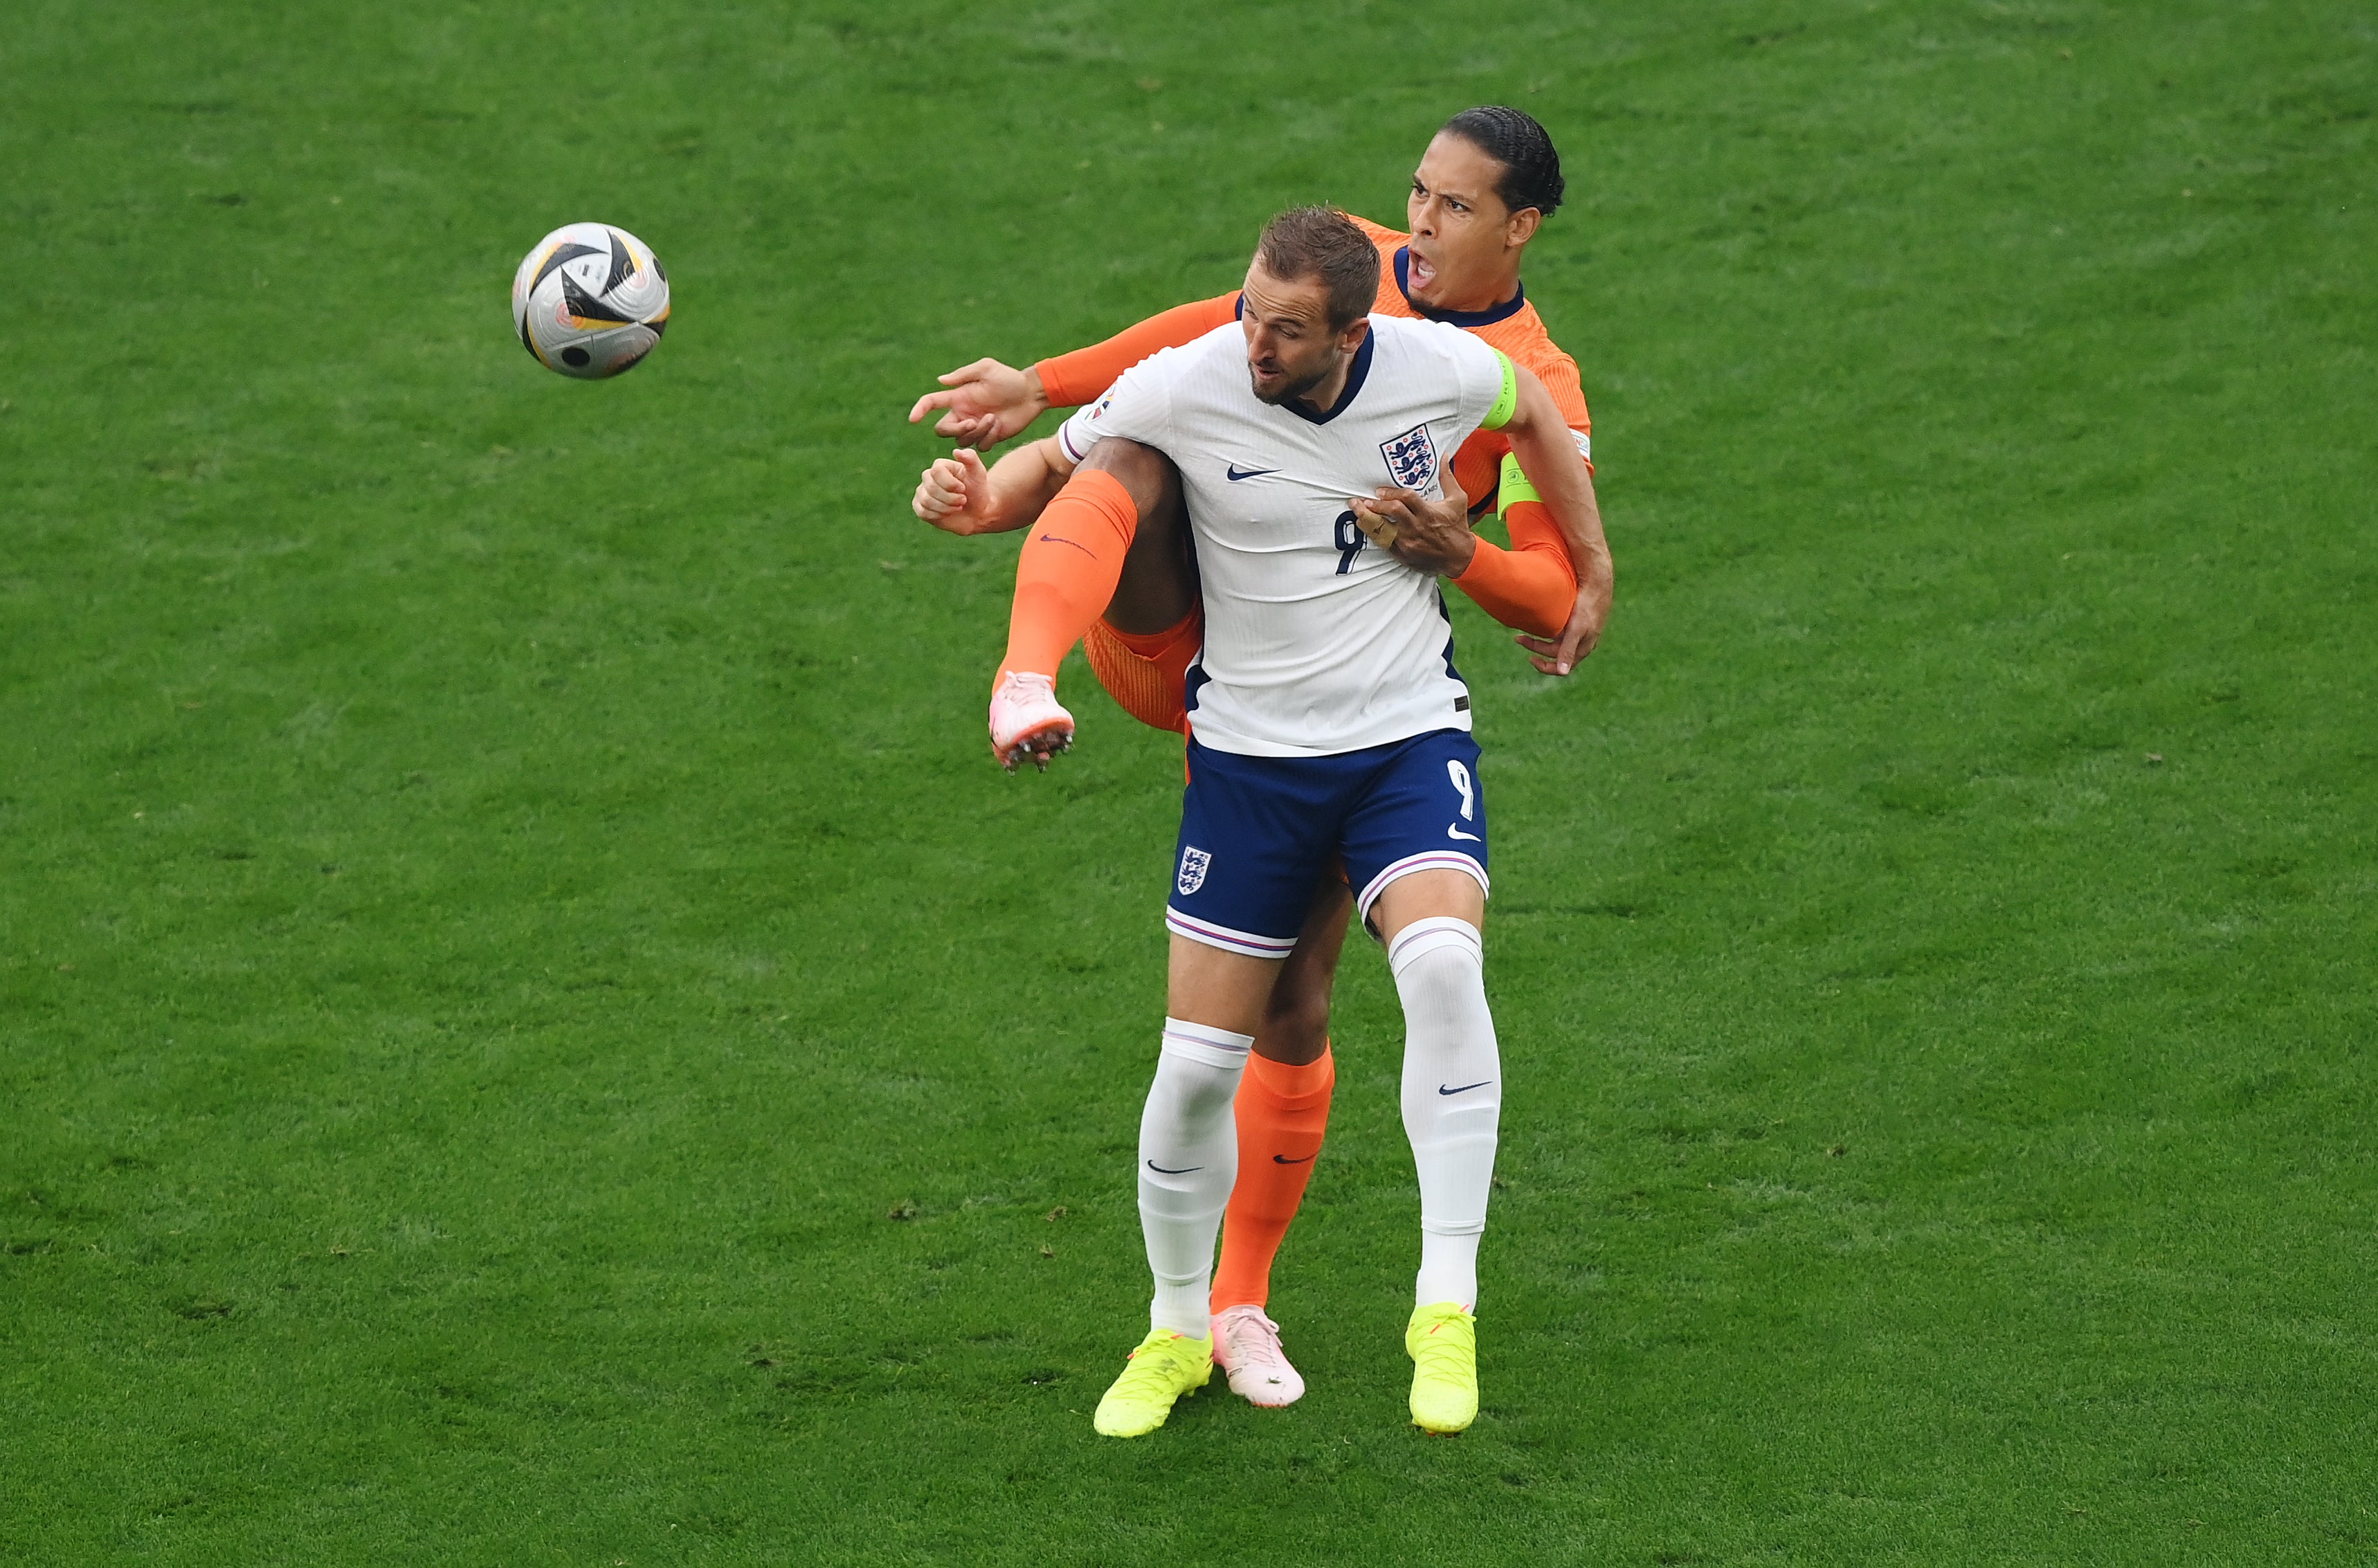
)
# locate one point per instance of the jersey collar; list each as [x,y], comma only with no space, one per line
[1355,375]
[1502,312]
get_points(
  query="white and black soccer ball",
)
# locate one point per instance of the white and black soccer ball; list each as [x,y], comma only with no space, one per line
[590,301]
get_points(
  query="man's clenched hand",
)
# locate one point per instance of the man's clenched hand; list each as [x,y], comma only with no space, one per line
[986,402]
[955,494]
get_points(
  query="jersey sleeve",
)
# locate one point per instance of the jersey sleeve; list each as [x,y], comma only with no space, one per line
[1532,586]
[1558,372]
[1507,400]
[1137,407]
[1525,591]
[1083,376]
[1490,386]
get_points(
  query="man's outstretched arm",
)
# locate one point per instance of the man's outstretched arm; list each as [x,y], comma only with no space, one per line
[984,403]
[1531,590]
[1542,440]
[1528,587]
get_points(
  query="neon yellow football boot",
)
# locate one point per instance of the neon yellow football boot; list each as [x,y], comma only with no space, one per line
[1443,1343]
[1166,1366]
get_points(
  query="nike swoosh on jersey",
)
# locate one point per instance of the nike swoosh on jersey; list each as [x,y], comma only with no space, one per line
[1455,832]
[1465,1088]
[1187,1169]
[1235,473]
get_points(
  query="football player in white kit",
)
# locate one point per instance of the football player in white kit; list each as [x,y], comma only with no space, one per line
[1328,722]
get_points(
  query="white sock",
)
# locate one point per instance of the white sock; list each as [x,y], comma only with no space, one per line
[1453,1097]
[1188,1162]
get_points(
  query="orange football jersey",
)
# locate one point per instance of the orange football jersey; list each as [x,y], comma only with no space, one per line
[1513,327]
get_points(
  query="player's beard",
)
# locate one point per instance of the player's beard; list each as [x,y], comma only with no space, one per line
[1294,387]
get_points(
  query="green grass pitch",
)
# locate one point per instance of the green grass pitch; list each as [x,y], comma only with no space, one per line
[503,892]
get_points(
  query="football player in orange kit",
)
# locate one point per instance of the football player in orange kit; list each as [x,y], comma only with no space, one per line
[1483,188]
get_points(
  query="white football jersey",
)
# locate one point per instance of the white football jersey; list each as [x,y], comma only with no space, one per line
[1317,641]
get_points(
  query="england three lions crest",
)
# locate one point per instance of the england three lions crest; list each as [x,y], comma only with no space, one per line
[1411,458]
[1193,870]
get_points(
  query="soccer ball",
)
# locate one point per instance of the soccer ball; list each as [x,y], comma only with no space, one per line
[590,301]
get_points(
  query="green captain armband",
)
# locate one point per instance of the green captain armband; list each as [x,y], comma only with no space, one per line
[1513,487]
[1508,404]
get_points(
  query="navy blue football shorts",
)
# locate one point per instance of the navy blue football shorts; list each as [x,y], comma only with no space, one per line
[1257,832]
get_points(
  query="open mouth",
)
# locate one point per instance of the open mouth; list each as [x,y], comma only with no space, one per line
[1419,271]
[1270,385]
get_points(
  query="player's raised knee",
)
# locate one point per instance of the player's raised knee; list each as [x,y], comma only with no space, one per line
[1147,475]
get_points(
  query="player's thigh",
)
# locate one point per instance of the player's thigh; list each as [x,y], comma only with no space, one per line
[1423,811]
[1424,895]
[1220,989]
[1295,1028]
[1146,475]
[1256,833]
[1157,588]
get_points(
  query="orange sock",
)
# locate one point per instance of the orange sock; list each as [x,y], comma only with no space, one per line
[1072,560]
[1282,1111]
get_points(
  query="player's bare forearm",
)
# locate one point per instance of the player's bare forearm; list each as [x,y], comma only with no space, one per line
[1023,482]
[1548,451]
[957,494]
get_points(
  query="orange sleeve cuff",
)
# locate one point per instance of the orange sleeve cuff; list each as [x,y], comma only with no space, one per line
[1530,587]
[1083,376]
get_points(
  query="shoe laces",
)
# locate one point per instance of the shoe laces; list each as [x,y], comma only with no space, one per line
[1445,1347]
[1251,1335]
[1149,1370]
[1017,686]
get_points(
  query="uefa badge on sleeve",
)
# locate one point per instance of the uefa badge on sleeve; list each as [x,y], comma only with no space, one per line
[1192,870]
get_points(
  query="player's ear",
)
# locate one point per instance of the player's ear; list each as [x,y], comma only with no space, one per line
[1523,226]
[1351,337]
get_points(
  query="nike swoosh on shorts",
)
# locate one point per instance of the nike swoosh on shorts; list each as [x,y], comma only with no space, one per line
[1463,1090]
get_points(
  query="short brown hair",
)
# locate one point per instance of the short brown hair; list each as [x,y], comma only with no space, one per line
[1321,242]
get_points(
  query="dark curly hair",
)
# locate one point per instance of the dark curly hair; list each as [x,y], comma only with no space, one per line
[1532,174]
